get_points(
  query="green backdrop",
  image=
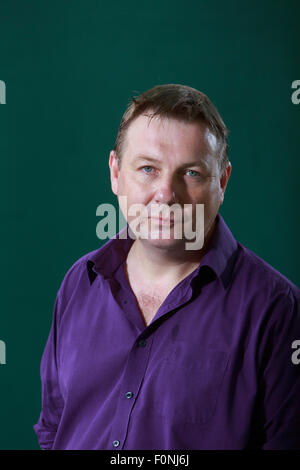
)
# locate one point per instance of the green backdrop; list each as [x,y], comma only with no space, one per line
[70,68]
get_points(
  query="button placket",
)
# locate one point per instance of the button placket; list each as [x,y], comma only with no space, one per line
[133,378]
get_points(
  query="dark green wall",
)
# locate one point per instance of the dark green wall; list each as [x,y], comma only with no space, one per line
[70,68]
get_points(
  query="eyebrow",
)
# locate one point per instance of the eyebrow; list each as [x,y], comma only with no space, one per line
[195,163]
[147,157]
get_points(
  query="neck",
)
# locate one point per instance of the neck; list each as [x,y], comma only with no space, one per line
[159,264]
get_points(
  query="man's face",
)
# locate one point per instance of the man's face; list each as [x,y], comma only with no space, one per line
[167,161]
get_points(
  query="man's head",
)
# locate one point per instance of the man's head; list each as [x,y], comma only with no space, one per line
[171,148]
[180,102]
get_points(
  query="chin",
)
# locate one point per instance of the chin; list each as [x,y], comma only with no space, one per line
[166,244]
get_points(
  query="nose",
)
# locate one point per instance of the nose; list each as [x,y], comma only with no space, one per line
[165,191]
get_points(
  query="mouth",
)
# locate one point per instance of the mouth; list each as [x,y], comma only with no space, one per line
[162,220]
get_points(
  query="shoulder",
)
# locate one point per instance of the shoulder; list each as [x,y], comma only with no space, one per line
[78,272]
[263,282]
[255,265]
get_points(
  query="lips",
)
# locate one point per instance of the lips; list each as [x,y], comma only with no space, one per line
[162,220]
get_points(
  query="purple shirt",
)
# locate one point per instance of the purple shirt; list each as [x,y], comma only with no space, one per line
[213,370]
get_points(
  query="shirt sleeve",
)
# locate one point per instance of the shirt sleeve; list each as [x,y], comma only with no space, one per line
[52,400]
[279,380]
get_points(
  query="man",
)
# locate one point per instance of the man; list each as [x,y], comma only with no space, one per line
[152,345]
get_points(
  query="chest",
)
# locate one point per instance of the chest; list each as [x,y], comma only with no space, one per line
[149,301]
[148,304]
[149,296]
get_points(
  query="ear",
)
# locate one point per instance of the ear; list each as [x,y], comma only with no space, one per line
[224,180]
[114,171]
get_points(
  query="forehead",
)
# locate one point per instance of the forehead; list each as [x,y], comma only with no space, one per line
[163,136]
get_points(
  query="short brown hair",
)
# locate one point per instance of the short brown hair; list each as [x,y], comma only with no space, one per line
[180,102]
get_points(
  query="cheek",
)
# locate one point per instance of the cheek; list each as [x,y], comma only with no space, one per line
[210,197]
[122,206]
[206,193]
[130,193]
[128,183]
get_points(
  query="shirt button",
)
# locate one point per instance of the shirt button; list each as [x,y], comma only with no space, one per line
[129,395]
[116,443]
[142,343]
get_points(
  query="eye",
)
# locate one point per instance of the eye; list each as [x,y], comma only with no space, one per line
[147,169]
[193,173]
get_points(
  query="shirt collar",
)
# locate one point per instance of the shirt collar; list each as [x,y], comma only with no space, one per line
[221,252]
[219,257]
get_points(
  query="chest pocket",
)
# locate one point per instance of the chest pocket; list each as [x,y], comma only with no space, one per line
[188,384]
